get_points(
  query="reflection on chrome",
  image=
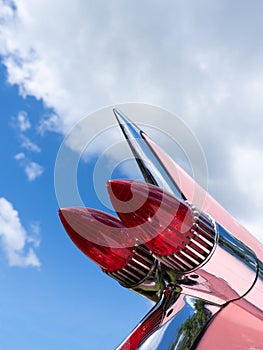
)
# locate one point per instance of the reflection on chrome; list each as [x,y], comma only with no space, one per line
[182,330]
[189,301]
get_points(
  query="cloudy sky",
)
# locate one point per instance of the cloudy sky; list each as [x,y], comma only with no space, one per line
[201,60]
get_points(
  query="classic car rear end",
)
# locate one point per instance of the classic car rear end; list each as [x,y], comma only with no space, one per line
[175,245]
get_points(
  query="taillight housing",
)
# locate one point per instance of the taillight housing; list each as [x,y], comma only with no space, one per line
[177,234]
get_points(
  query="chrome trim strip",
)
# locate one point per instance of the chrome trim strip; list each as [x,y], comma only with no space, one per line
[137,270]
[182,260]
[193,255]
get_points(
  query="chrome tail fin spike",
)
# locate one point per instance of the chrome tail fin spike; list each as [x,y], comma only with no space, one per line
[150,166]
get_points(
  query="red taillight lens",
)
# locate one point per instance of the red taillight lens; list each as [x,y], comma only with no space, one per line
[171,229]
[91,231]
[105,240]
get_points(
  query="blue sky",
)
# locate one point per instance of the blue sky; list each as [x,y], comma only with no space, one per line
[201,60]
[59,298]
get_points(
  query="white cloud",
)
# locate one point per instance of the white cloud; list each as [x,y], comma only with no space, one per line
[48,123]
[34,238]
[33,170]
[23,121]
[14,238]
[6,11]
[202,60]
[19,156]
[28,144]
[248,167]
[247,171]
